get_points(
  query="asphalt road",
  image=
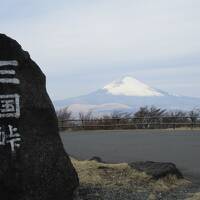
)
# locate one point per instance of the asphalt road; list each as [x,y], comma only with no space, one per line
[179,147]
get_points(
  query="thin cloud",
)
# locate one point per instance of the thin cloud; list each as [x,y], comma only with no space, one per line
[121,35]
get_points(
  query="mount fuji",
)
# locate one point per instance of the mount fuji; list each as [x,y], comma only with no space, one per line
[127,95]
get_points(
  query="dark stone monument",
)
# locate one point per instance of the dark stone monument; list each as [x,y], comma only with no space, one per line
[33,163]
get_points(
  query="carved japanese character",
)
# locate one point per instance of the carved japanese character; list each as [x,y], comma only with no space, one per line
[2,136]
[13,138]
[9,106]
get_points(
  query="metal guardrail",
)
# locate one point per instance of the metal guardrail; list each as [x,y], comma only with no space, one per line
[164,122]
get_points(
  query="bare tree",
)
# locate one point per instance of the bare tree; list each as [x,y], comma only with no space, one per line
[64,114]
[148,117]
[120,119]
[194,115]
[86,118]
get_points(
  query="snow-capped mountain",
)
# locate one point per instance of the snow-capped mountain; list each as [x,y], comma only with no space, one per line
[129,86]
[127,94]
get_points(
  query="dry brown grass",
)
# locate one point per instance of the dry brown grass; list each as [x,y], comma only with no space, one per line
[92,172]
[122,176]
[195,196]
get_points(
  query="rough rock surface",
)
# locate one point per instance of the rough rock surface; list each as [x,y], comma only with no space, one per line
[34,165]
[97,159]
[157,169]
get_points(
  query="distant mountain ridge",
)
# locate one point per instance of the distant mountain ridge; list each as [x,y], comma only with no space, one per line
[127,94]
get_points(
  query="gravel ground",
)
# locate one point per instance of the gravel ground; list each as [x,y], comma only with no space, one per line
[117,193]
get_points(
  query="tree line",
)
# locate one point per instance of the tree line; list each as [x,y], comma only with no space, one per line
[145,118]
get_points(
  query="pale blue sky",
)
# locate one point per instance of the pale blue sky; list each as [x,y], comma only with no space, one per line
[81,45]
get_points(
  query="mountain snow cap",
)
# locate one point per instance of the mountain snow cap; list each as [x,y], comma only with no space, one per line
[129,86]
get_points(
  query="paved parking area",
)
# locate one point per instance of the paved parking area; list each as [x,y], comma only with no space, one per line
[179,147]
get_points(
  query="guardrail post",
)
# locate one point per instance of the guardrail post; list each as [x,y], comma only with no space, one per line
[174,125]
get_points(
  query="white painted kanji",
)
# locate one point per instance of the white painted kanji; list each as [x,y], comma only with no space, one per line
[10,80]
[9,106]
[8,72]
[11,137]
[2,136]
[8,62]
[4,72]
